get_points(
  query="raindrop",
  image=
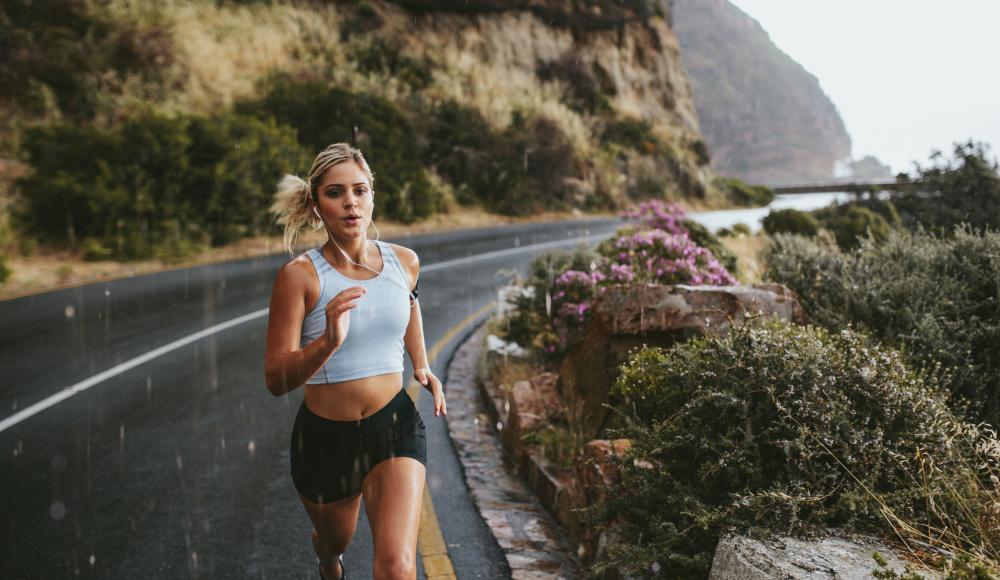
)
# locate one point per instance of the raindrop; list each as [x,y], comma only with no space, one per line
[222,441]
[475,420]
[180,462]
[107,292]
[59,462]
[92,559]
[57,510]
[70,311]
[656,567]
[499,426]
[251,448]
[14,406]
[517,242]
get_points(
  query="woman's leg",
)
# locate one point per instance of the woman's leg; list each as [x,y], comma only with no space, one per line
[333,528]
[394,491]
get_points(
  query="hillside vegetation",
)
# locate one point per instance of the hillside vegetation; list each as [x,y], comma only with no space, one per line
[131,129]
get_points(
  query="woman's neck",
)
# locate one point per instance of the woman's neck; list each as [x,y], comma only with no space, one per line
[354,248]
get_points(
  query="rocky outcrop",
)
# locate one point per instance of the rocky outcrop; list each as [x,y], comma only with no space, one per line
[764,117]
[627,317]
[844,557]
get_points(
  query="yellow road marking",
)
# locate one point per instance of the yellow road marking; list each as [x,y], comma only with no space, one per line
[430,541]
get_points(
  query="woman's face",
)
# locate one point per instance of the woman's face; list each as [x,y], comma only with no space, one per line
[344,192]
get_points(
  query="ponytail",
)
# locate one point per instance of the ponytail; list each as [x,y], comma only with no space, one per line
[291,209]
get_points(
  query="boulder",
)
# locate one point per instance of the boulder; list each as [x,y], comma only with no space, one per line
[627,317]
[528,404]
[595,471]
[847,557]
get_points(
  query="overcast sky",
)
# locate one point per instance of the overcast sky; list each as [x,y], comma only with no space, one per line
[907,76]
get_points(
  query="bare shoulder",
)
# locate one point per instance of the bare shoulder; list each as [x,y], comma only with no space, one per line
[298,276]
[408,258]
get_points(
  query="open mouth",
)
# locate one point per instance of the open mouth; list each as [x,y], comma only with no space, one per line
[353,220]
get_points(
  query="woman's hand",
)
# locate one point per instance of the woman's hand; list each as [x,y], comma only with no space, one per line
[426,378]
[338,321]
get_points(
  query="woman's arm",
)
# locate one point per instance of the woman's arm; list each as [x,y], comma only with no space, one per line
[286,366]
[414,337]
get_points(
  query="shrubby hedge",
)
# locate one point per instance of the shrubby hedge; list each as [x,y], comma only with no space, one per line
[517,171]
[744,194]
[156,185]
[935,296]
[790,221]
[323,115]
[851,222]
[783,428]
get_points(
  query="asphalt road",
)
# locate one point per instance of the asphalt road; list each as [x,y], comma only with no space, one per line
[177,466]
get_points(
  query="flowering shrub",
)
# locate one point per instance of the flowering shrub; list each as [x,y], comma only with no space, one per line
[659,257]
[572,294]
[660,250]
[660,215]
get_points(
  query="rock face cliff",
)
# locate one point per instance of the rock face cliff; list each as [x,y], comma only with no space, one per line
[607,72]
[765,118]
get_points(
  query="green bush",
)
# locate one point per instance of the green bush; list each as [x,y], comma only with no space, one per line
[324,115]
[633,133]
[774,427]
[234,161]
[741,229]
[156,185]
[790,221]
[517,171]
[744,194]
[851,222]
[934,296]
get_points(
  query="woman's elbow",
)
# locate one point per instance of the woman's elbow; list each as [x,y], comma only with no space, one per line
[276,383]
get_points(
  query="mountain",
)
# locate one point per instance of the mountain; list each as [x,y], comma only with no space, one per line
[764,117]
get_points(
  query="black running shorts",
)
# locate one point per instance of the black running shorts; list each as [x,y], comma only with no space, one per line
[331,458]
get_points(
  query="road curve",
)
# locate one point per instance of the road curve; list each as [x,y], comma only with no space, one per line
[176,465]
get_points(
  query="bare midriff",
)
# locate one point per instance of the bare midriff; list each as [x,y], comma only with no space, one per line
[354,399]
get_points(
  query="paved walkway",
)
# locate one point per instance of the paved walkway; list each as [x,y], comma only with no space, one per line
[532,542]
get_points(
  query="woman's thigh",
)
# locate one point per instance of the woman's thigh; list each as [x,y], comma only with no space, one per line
[394,491]
[335,522]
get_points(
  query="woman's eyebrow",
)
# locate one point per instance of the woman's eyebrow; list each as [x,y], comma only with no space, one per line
[339,185]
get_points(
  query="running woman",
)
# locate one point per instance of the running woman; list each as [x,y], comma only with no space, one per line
[340,317]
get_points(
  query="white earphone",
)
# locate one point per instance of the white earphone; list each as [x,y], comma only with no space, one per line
[413,296]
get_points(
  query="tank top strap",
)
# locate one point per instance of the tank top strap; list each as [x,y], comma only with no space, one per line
[321,266]
[389,255]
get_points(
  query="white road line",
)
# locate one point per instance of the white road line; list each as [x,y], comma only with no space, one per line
[116,370]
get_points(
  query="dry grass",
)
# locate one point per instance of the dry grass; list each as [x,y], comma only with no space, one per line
[748,250]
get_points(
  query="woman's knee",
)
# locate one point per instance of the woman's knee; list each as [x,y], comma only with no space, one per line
[395,566]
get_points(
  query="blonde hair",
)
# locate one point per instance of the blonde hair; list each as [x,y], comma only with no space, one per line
[291,201]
